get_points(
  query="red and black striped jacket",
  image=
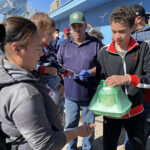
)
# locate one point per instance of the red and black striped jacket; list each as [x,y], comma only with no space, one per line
[136,63]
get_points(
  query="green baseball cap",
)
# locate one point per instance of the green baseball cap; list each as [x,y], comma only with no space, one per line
[77,17]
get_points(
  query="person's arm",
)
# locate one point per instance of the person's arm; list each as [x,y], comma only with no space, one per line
[118,80]
[47,70]
[45,64]
[64,71]
[143,81]
[50,70]
[82,131]
[31,120]
[84,74]
[93,71]
[89,26]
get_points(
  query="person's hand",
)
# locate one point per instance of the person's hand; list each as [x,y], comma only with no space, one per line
[84,74]
[89,26]
[117,80]
[51,70]
[85,130]
[70,73]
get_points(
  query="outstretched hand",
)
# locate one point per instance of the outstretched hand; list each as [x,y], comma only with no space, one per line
[70,73]
[86,129]
[83,131]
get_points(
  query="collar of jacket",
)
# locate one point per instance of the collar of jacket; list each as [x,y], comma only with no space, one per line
[146,28]
[133,44]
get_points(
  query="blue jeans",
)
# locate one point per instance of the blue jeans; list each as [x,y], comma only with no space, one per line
[72,121]
[52,82]
[146,128]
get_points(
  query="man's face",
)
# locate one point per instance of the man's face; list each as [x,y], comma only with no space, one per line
[66,35]
[121,33]
[78,30]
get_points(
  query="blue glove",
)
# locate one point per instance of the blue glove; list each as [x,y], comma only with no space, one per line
[84,74]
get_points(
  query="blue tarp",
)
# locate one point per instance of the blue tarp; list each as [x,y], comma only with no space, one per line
[13,7]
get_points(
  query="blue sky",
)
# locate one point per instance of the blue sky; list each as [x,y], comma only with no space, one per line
[43,5]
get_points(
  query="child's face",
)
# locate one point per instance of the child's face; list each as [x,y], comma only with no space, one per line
[47,36]
[121,33]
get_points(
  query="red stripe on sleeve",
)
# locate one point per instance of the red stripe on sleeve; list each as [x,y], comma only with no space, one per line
[66,72]
[134,80]
[42,70]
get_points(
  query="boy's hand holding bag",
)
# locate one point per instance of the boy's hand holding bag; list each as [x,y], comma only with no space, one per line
[110,101]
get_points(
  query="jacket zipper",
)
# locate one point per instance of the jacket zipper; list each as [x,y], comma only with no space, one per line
[124,68]
[125,72]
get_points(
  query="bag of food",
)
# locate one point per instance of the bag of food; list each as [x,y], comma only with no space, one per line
[110,101]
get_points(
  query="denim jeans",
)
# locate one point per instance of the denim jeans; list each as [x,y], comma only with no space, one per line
[72,121]
[52,82]
[146,128]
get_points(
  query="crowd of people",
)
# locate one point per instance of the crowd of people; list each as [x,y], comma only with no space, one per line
[42,74]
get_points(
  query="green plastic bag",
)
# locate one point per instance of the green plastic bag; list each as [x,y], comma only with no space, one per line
[110,101]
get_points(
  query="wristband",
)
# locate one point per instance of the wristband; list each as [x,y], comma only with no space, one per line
[129,79]
[65,72]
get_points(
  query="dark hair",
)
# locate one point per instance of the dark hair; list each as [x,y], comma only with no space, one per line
[124,15]
[2,36]
[17,29]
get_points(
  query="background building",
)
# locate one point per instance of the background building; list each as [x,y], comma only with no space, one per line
[96,12]
[55,5]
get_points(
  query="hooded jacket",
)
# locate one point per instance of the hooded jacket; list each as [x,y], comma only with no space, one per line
[26,108]
[143,35]
[136,63]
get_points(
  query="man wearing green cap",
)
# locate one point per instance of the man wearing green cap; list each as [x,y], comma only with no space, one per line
[79,54]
